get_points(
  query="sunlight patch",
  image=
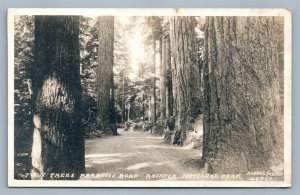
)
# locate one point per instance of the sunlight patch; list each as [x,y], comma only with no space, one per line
[110,155]
[144,165]
[164,147]
[106,160]
[144,137]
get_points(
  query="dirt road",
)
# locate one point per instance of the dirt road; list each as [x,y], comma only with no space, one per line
[138,156]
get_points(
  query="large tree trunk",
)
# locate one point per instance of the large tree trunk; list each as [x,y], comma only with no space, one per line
[104,73]
[163,104]
[242,120]
[186,80]
[58,138]
[153,87]
[168,77]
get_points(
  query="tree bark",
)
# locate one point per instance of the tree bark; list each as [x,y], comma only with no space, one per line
[58,138]
[186,81]
[104,73]
[242,121]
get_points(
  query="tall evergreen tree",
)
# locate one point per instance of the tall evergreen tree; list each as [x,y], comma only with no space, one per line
[185,74]
[163,103]
[104,74]
[153,71]
[168,78]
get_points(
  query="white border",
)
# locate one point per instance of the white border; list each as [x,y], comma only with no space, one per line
[287,14]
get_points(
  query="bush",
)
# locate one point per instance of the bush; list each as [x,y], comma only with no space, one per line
[128,125]
[168,136]
[158,128]
[146,126]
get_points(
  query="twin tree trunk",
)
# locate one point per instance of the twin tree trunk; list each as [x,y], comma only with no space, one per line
[185,74]
[241,93]
[58,138]
[105,114]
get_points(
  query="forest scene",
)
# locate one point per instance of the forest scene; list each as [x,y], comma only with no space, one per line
[148,98]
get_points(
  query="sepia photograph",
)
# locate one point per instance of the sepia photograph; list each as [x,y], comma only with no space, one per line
[149,97]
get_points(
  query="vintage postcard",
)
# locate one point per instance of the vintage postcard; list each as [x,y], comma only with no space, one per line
[149,97]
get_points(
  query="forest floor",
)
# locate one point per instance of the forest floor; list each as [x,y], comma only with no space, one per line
[138,156]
